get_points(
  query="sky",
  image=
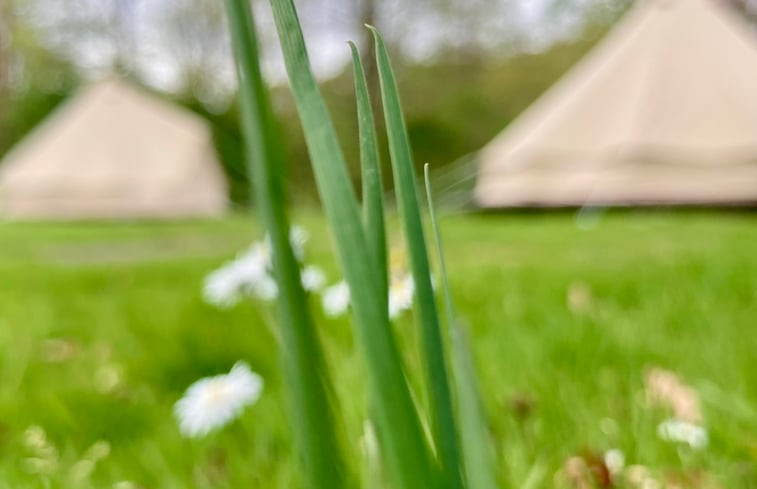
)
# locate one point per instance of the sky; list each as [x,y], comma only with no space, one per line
[157,40]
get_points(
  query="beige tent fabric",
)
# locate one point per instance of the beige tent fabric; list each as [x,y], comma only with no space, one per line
[662,111]
[114,151]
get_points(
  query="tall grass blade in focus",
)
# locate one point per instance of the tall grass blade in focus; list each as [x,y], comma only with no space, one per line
[309,388]
[442,417]
[373,202]
[477,453]
[403,447]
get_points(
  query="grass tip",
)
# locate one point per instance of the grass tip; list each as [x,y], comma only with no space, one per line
[375,32]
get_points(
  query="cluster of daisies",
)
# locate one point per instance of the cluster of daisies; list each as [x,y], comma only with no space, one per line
[212,402]
[250,275]
[336,298]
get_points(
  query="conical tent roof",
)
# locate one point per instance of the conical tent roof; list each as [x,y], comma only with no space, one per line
[114,151]
[662,111]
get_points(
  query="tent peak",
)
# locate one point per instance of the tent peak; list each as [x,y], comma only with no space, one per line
[114,150]
[662,110]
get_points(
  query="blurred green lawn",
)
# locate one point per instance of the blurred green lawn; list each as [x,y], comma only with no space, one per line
[102,327]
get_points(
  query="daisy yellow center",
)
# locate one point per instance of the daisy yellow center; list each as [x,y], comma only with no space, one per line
[216,393]
[398,287]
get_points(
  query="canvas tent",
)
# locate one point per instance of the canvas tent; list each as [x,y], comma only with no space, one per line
[114,151]
[662,111]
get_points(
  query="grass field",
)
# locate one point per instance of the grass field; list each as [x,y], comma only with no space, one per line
[102,327]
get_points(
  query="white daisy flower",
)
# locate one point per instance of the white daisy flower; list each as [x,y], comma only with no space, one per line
[401,290]
[265,288]
[225,286]
[249,274]
[679,431]
[298,238]
[614,461]
[221,288]
[254,261]
[254,271]
[336,299]
[212,402]
[313,278]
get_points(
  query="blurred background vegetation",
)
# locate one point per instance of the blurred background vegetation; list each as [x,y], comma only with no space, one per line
[465,68]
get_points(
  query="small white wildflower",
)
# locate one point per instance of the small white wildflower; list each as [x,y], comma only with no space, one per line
[401,290]
[369,441]
[679,431]
[212,402]
[226,286]
[249,273]
[298,237]
[254,262]
[313,278]
[336,299]
[265,288]
[221,288]
[614,461]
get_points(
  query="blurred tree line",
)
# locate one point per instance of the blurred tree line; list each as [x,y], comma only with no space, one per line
[466,68]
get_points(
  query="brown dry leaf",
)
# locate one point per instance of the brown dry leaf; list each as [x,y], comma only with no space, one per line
[587,471]
[579,298]
[598,468]
[574,474]
[521,405]
[665,388]
[59,350]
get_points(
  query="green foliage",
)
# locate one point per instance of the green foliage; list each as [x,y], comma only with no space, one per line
[478,462]
[33,80]
[361,249]
[445,121]
[226,132]
[404,450]
[308,382]
[21,112]
[373,192]
[442,418]
[79,300]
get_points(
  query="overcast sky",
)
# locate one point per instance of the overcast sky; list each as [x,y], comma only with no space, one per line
[156,39]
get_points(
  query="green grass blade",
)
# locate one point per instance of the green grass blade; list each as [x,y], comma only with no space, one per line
[404,449]
[373,201]
[476,447]
[309,387]
[442,416]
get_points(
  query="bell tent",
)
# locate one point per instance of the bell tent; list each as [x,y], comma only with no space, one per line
[114,151]
[662,111]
